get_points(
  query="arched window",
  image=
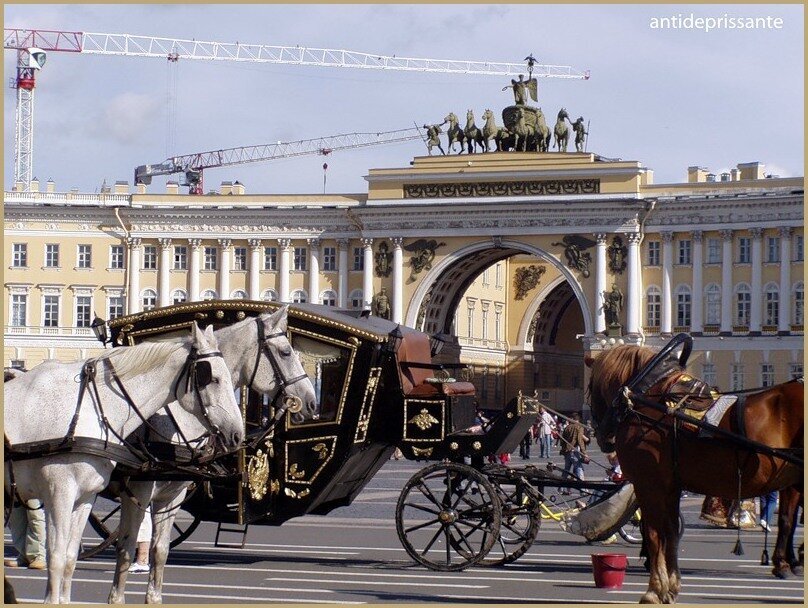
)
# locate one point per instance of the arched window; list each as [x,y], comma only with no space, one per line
[238,294]
[149,299]
[712,304]
[683,306]
[209,294]
[178,296]
[653,306]
[269,295]
[329,297]
[356,298]
[799,303]
[743,304]
[299,296]
[771,304]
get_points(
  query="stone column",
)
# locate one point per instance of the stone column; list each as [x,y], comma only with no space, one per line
[784,311]
[367,273]
[193,269]
[600,282]
[255,269]
[696,305]
[342,270]
[398,280]
[756,312]
[224,270]
[314,270]
[634,284]
[726,282]
[165,270]
[666,323]
[285,245]
[133,295]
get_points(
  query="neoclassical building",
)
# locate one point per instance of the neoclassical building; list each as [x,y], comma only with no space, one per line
[524,262]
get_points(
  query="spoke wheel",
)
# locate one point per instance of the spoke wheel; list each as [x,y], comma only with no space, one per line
[631,532]
[448,517]
[521,520]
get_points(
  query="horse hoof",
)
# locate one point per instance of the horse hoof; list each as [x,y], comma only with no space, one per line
[782,573]
[650,597]
[796,569]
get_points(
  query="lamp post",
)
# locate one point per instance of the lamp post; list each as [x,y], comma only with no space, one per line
[394,339]
[99,327]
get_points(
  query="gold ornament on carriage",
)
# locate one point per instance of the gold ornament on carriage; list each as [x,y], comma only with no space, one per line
[258,475]
[427,452]
[424,420]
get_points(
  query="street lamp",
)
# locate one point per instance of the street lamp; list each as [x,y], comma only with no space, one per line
[436,343]
[394,339]
[99,327]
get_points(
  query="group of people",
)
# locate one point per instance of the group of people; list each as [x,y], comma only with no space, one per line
[568,434]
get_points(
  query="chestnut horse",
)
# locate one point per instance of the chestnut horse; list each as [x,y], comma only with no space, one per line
[662,458]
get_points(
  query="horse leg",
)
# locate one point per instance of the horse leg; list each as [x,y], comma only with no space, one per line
[784,547]
[131,517]
[659,534]
[164,512]
[78,522]
[672,546]
[57,522]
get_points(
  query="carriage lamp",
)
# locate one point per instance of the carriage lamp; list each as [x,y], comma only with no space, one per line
[99,327]
[436,343]
[394,339]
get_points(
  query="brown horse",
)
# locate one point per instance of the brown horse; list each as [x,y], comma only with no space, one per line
[662,458]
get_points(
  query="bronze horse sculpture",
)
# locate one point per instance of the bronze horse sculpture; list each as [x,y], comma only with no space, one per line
[756,448]
[492,131]
[561,131]
[474,135]
[454,132]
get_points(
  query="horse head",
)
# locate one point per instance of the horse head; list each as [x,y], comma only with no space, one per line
[450,118]
[487,114]
[562,114]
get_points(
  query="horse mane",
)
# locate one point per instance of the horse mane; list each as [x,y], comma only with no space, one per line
[135,360]
[615,367]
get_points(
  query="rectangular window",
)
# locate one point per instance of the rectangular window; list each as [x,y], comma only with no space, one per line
[114,307]
[83,311]
[180,257]
[150,257]
[498,327]
[19,310]
[486,277]
[300,258]
[736,379]
[50,313]
[20,255]
[772,311]
[211,258]
[270,258]
[359,258]
[744,250]
[708,374]
[329,258]
[743,308]
[52,255]
[712,303]
[798,251]
[713,251]
[498,278]
[766,374]
[470,327]
[356,302]
[795,370]
[653,309]
[329,298]
[654,248]
[773,249]
[116,257]
[684,252]
[149,300]
[84,258]
[799,306]
[683,310]
[239,258]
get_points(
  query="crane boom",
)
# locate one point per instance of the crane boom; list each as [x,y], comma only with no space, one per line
[193,164]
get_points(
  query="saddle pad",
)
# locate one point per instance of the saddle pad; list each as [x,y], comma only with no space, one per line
[716,412]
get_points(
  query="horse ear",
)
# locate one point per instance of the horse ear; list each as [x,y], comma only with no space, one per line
[589,360]
[277,319]
[210,336]
[196,333]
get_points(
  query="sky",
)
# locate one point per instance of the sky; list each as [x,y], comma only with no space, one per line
[669,98]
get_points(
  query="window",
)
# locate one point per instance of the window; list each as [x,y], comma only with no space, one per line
[270,258]
[654,248]
[52,256]
[329,298]
[180,257]
[653,306]
[743,305]
[773,249]
[484,314]
[150,257]
[744,250]
[300,258]
[211,258]
[239,294]
[19,255]
[239,258]
[84,257]
[329,258]
[209,294]
[736,378]
[713,251]
[772,304]
[116,259]
[269,295]
[114,307]
[766,374]
[497,323]
[798,251]
[799,304]
[356,299]
[795,370]
[149,299]
[712,304]
[358,258]
[19,310]
[178,296]
[84,305]
[299,296]
[486,277]
[683,307]
[708,373]
[498,279]
[685,251]
[18,364]
[50,313]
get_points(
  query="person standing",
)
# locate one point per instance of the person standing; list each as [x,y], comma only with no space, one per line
[767,504]
[546,427]
[27,525]
[573,447]
[524,445]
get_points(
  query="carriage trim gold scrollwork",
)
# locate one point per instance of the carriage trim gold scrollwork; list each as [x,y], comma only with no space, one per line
[258,474]
[367,405]
[515,188]
[424,420]
[297,495]
[414,416]
[314,454]
[427,452]
[294,473]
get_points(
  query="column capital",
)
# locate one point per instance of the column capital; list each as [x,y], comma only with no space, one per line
[785,232]
[164,243]
[398,241]
[195,243]
[314,243]
[134,241]
[667,236]
[254,243]
[366,242]
[698,235]
[225,243]
[284,243]
[634,238]
[601,238]
[343,244]
[726,234]
[756,233]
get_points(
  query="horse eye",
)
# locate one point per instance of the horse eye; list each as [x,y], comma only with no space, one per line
[286,351]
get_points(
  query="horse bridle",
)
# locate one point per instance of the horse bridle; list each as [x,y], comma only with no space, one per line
[198,374]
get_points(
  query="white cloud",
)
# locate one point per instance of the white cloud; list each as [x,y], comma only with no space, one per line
[126,117]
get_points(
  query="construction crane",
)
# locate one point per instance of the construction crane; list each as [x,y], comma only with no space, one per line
[28,42]
[192,165]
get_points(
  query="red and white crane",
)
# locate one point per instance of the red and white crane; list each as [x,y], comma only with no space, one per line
[32,45]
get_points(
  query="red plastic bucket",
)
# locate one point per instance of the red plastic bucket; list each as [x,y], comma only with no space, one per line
[609,569]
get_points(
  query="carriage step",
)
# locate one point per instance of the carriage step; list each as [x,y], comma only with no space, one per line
[231,529]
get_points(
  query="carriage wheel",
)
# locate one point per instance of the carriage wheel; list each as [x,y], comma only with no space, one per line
[448,517]
[520,523]
[631,533]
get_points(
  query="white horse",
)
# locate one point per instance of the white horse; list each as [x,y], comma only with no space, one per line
[248,348]
[124,386]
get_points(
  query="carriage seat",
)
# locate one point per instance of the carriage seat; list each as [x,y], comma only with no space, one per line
[417,372]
